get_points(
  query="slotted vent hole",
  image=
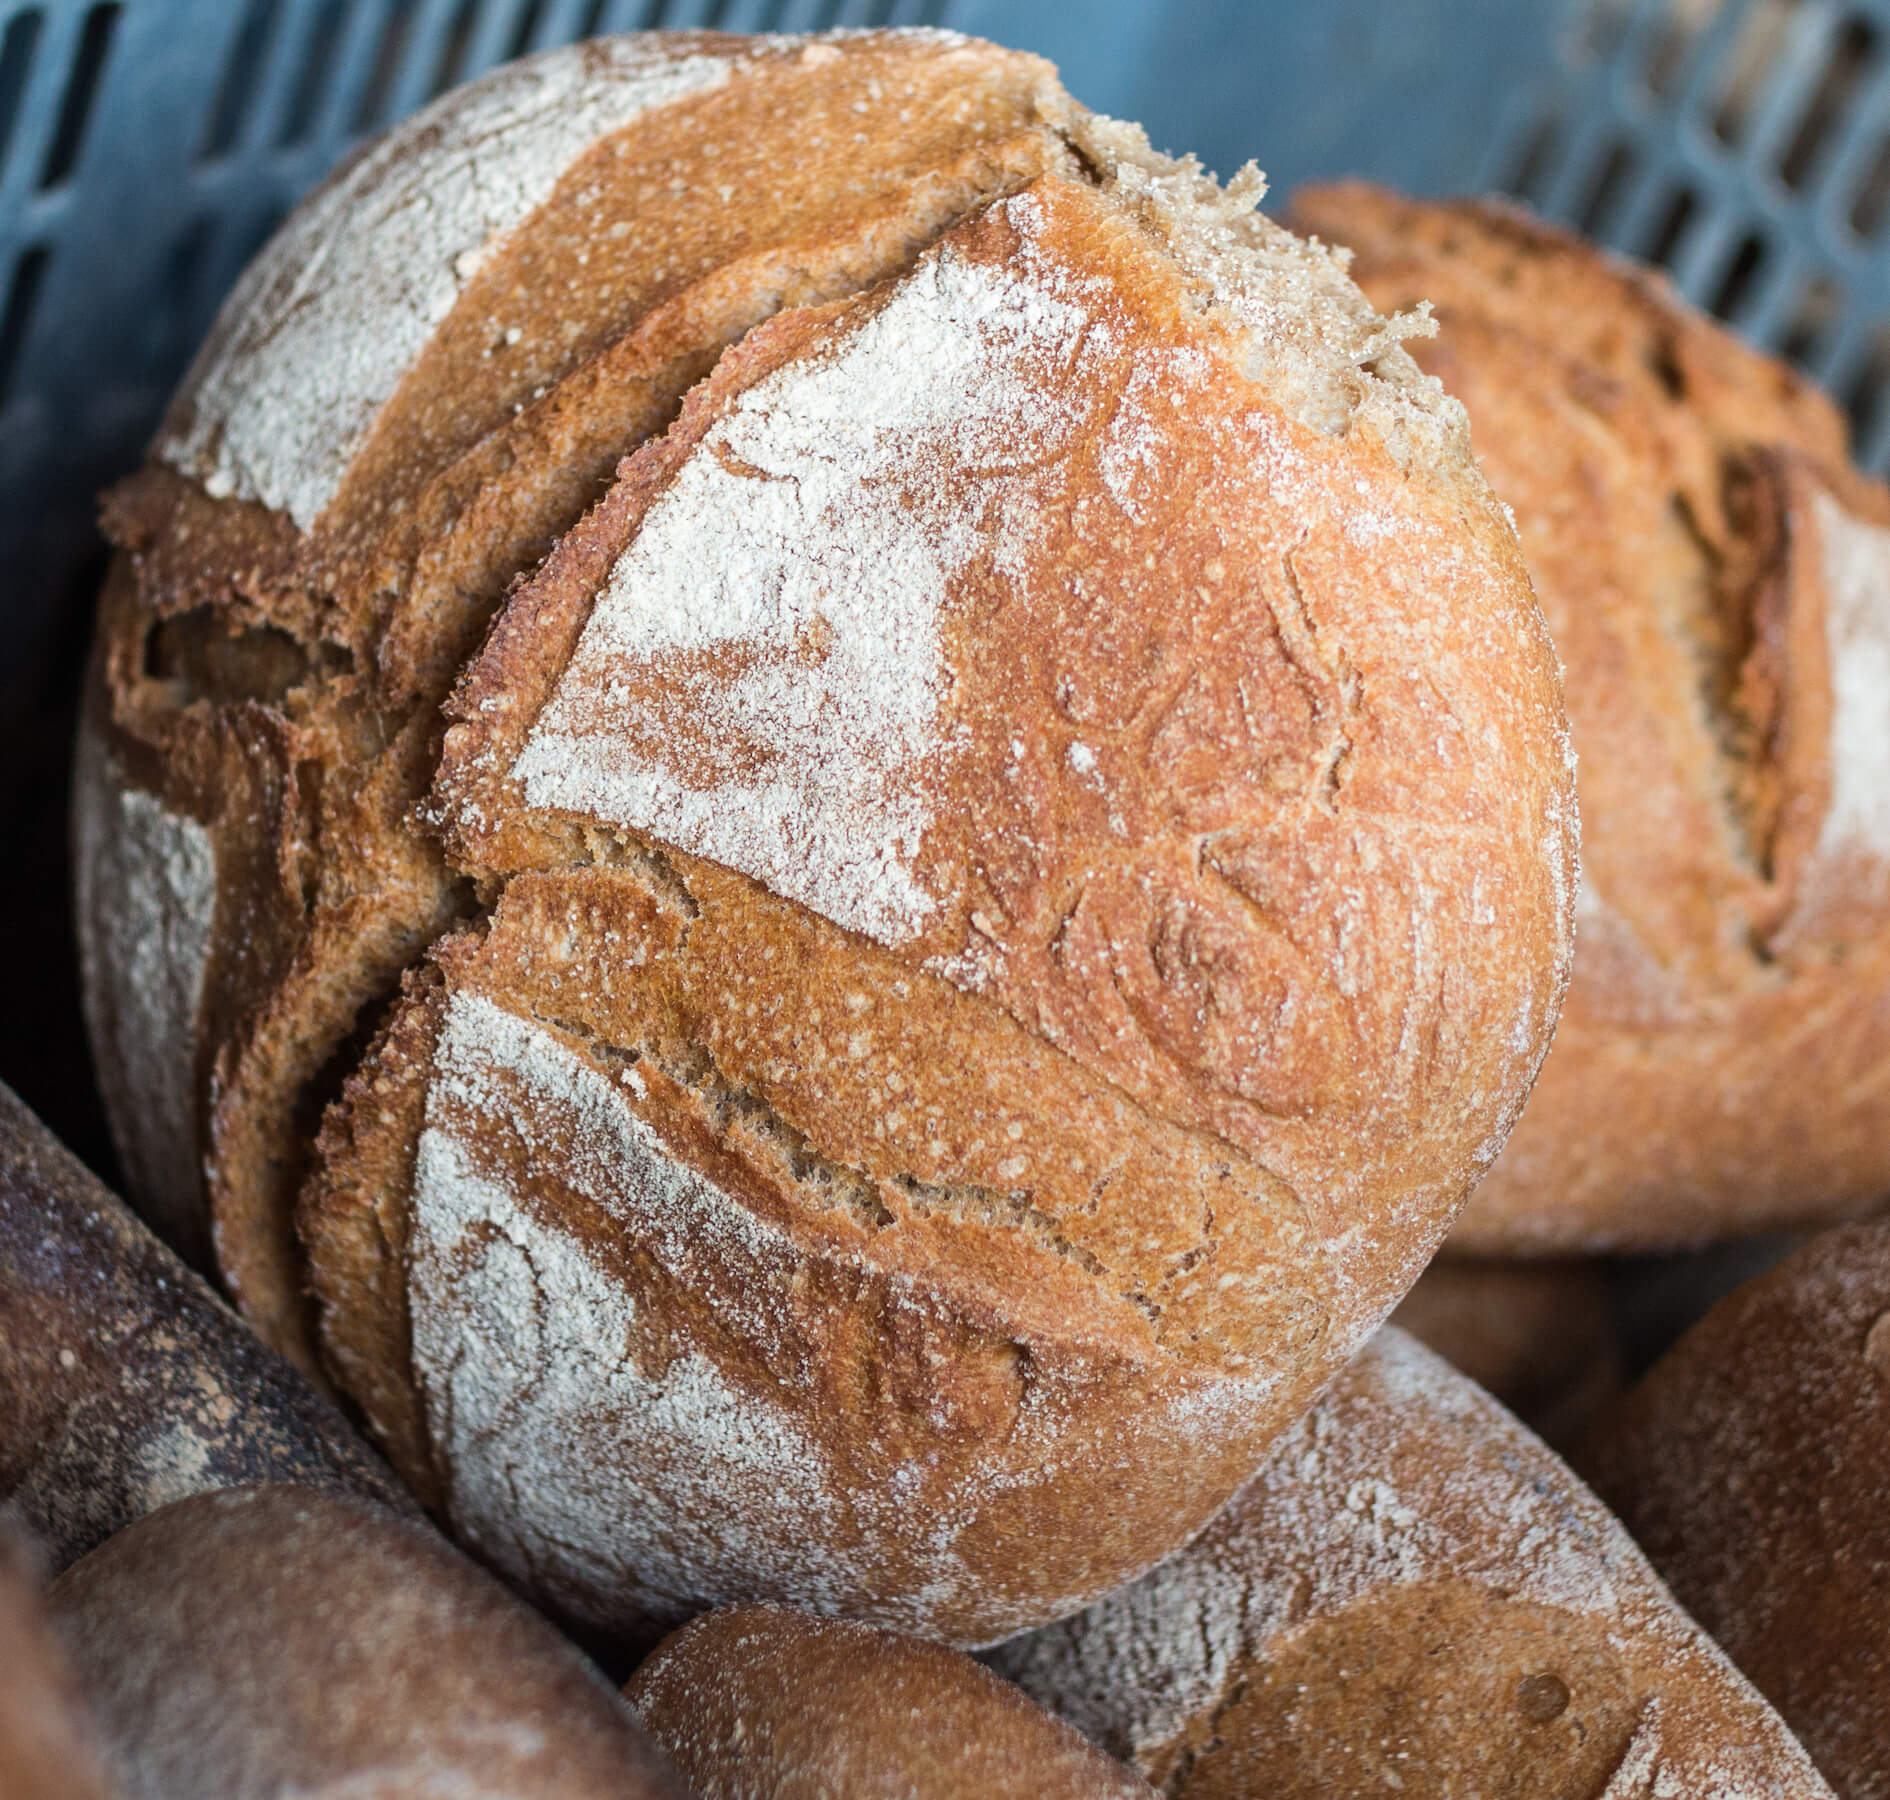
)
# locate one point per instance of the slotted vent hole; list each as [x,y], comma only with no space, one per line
[175,324]
[1612,176]
[29,276]
[526,30]
[1871,202]
[1738,283]
[450,69]
[390,55]
[1675,219]
[1853,56]
[16,63]
[1756,54]
[1809,322]
[236,92]
[1535,159]
[314,74]
[75,108]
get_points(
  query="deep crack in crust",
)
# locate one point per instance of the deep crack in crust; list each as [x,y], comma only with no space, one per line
[1717,579]
[1078,1184]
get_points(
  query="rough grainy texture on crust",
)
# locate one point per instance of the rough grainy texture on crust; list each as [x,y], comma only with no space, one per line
[1413,1594]
[1752,1465]
[757,1703]
[273,1640]
[125,1383]
[46,1742]
[1538,1336]
[1003,864]
[1717,580]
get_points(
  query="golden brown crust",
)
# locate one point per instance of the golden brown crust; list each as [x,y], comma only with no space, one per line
[1080,952]
[1716,580]
[1752,1464]
[1412,1593]
[272,1640]
[491,446]
[1538,1336]
[756,1701]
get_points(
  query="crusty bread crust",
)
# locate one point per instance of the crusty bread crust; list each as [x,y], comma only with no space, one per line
[1717,580]
[125,1383]
[279,1640]
[1412,1593]
[1003,880]
[1752,1465]
[757,1700]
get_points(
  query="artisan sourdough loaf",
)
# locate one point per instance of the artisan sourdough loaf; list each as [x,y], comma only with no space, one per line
[758,1703]
[1717,579]
[858,821]
[1413,1596]
[1752,1464]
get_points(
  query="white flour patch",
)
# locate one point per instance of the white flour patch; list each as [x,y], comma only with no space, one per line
[1857,630]
[147,890]
[621,1489]
[760,682]
[325,322]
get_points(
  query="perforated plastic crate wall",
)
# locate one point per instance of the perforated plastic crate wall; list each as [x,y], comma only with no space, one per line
[148,146]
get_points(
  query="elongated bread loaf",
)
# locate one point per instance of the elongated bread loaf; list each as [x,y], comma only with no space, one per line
[868,1029]
[1413,1596]
[1717,578]
[125,1383]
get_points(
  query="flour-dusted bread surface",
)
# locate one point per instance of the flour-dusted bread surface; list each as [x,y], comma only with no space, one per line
[758,1703]
[1413,1595]
[1539,1336]
[47,1748]
[888,841]
[283,1641]
[125,1383]
[1717,580]
[1752,1464]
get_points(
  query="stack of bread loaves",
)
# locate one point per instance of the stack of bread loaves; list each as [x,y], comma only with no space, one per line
[837,802]
[822,825]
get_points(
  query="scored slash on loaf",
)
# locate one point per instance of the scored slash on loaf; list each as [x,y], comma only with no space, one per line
[889,836]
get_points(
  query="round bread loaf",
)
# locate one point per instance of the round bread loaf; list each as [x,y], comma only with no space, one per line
[758,1703]
[46,1741]
[1752,1465]
[287,1641]
[1717,580]
[1413,1596]
[1538,1336]
[999,872]
[124,1382]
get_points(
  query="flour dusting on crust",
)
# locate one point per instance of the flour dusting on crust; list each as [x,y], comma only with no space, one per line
[147,889]
[325,322]
[523,1350]
[1857,627]
[760,682]
[1372,1491]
